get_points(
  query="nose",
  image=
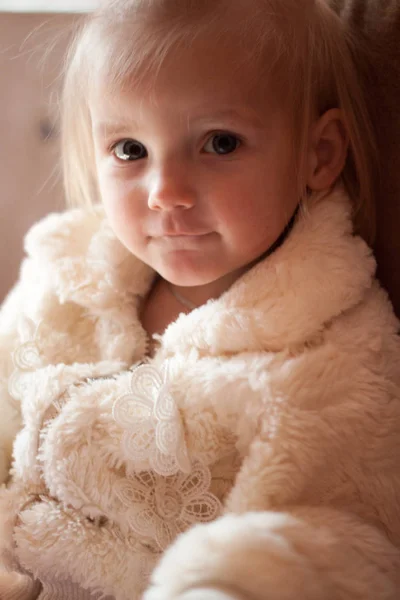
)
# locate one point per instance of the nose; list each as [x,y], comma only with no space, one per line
[171,187]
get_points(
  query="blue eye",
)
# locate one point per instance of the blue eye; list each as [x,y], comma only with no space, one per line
[222,143]
[129,150]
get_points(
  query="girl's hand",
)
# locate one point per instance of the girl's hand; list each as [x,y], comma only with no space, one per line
[16,586]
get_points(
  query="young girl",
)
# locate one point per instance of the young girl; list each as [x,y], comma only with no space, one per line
[200,350]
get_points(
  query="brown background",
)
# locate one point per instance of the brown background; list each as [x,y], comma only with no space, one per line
[31,51]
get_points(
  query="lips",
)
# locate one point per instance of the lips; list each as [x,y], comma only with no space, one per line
[168,227]
[183,241]
[179,234]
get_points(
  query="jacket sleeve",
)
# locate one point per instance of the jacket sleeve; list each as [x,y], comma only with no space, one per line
[311,515]
[307,553]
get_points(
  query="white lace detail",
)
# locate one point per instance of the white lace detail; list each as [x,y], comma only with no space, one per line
[27,357]
[160,508]
[153,435]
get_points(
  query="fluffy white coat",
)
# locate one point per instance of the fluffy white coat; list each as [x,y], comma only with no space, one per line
[267,426]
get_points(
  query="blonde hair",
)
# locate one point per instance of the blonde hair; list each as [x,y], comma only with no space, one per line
[301,44]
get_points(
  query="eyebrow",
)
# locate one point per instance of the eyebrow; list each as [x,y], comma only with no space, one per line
[120,127]
[113,127]
[245,116]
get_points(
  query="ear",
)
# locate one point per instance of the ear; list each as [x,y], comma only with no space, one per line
[327,151]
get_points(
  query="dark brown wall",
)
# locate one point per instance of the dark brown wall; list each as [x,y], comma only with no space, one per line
[377,24]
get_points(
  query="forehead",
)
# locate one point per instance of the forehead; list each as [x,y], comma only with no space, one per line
[217,77]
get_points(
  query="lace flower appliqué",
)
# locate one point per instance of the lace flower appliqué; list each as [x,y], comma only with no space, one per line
[160,508]
[26,358]
[153,430]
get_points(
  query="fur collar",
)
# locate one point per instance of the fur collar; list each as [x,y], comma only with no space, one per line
[286,300]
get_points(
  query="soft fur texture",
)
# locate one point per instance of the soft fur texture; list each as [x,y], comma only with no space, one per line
[277,404]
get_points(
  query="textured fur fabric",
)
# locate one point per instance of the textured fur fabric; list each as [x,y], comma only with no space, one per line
[265,431]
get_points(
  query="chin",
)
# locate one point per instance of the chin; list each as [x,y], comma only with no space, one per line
[190,278]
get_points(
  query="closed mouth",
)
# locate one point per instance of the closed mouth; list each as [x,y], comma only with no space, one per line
[183,234]
[183,241]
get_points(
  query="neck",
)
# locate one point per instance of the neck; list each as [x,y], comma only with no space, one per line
[199,295]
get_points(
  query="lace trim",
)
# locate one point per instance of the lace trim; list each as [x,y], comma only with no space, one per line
[165,494]
[27,357]
[153,435]
[37,340]
[160,508]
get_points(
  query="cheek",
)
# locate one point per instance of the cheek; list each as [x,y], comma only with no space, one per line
[254,208]
[124,212]
[121,200]
[247,197]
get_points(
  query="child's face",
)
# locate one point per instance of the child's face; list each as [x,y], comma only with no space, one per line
[197,177]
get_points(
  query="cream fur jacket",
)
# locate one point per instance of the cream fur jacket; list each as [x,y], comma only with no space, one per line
[264,434]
